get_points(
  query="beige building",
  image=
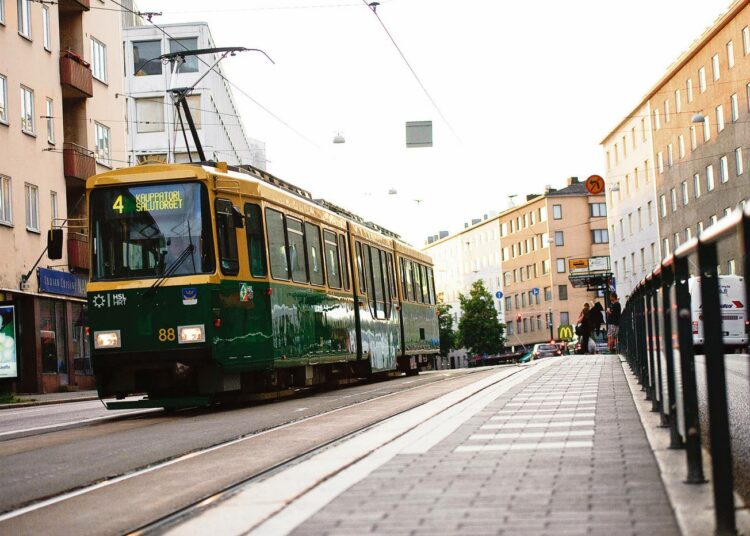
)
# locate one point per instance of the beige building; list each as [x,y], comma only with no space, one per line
[61,121]
[538,238]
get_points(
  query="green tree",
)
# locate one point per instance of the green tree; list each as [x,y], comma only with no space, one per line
[479,330]
[445,325]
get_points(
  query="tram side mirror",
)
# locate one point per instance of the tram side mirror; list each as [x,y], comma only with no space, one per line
[54,244]
[237,218]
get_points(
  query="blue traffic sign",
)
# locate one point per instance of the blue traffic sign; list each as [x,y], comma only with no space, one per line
[535,291]
[499,294]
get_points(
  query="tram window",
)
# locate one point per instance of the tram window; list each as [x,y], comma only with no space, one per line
[431,283]
[403,277]
[386,284]
[425,289]
[409,281]
[332,259]
[417,283]
[256,249]
[344,261]
[361,269]
[277,253]
[314,257]
[228,257]
[391,276]
[377,304]
[295,235]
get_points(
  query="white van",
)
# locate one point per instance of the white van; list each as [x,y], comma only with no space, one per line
[733,311]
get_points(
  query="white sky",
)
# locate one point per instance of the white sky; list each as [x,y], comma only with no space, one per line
[530,88]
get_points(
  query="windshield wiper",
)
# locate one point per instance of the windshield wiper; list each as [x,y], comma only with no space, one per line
[172,268]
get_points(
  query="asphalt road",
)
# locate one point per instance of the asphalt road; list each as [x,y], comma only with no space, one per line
[737,368]
[48,464]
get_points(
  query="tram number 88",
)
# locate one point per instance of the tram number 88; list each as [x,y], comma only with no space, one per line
[167,335]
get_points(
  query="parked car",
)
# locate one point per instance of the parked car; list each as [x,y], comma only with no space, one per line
[546,350]
[600,343]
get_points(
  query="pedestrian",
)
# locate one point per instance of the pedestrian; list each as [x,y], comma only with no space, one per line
[583,327]
[614,311]
[597,317]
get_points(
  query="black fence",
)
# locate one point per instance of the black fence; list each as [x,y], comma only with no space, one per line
[656,336]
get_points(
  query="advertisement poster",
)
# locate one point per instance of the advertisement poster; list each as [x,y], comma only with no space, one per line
[8,367]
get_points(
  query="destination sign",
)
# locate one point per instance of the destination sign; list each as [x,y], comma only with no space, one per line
[149,202]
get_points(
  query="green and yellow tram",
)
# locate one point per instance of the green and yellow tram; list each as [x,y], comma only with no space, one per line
[210,284]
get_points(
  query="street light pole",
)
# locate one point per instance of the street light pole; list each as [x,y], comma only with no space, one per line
[549,319]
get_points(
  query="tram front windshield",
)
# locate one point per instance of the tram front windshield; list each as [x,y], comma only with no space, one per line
[151,231]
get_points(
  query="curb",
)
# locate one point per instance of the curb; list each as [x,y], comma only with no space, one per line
[47,402]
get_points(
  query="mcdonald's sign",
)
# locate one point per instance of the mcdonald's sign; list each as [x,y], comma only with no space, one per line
[565,332]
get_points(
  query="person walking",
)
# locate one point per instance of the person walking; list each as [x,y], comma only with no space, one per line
[583,327]
[614,311]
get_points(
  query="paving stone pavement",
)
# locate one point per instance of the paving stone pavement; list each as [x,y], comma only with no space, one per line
[563,453]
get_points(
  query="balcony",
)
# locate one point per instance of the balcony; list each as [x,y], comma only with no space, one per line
[69,6]
[78,162]
[75,77]
[78,251]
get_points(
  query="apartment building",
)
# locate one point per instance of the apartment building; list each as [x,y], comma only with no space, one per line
[61,121]
[155,132]
[699,115]
[463,258]
[631,199]
[538,238]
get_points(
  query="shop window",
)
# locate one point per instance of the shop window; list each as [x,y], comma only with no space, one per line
[52,336]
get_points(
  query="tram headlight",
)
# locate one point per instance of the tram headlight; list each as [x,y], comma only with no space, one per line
[107,339]
[189,334]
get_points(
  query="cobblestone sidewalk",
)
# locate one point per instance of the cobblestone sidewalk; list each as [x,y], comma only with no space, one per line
[563,453]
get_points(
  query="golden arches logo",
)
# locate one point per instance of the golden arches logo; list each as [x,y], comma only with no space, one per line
[565,332]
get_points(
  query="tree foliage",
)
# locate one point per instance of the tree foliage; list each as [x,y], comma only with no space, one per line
[445,325]
[479,329]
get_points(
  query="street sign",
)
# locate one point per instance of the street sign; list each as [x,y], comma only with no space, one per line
[595,184]
[576,265]
[598,264]
[499,294]
[535,291]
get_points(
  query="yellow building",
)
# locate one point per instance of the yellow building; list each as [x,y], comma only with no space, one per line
[61,121]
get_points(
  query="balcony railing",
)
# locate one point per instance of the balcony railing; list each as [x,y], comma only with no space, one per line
[78,251]
[78,162]
[75,76]
[74,5]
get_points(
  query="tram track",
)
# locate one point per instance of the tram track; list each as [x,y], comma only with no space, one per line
[105,486]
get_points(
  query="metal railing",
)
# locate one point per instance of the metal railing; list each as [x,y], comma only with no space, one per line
[656,337]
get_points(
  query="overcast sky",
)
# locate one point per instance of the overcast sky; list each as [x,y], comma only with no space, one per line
[529,88]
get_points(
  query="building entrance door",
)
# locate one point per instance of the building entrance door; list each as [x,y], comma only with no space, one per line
[52,330]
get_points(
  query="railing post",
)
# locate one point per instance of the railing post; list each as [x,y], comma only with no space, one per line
[639,341]
[657,352]
[651,391]
[718,415]
[687,368]
[667,279]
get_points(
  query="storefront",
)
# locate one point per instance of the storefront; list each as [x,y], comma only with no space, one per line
[52,350]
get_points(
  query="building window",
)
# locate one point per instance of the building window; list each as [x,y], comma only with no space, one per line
[697,185]
[562,292]
[559,238]
[660,162]
[706,129]
[734,103]
[688,233]
[188,43]
[557,212]
[32,208]
[723,169]
[27,110]
[103,153]
[665,248]
[663,206]
[650,206]
[666,111]
[2,12]
[50,122]
[560,266]
[545,266]
[685,198]
[640,220]
[689,89]
[710,177]
[144,58]
[45,28]
[738,161]
[712,220]
[149,114]
[670,159]
[702,79]
[715,67]
[673,199]
[731,269]
[24,18]
[681,145]
[693,137]
[600,236]
[719,118]
[547,293]
[99,60]
[657,122]
[6,214]
[53,205]
[3,99]
[542,214]
[598,210]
